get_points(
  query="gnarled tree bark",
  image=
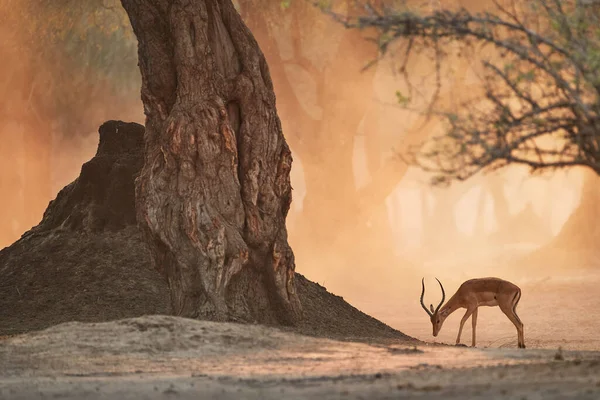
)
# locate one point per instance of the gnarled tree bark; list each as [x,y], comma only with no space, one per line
[214,191]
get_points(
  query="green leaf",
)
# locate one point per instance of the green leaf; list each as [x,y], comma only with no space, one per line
[508,67]
[402,100]
[324,4]
[538,121]
[528,76]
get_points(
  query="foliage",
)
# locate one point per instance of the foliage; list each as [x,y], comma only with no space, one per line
[540,103]
[68,54]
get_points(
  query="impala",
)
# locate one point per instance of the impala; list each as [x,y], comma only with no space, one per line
[475,293]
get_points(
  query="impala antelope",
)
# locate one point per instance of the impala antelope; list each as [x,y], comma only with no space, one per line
[475,293]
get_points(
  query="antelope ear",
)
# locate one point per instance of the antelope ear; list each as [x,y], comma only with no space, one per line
[431,308]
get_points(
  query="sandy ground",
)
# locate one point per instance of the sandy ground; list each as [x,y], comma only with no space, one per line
[161,357]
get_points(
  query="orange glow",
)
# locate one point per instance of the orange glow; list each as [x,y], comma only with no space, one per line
[383,226]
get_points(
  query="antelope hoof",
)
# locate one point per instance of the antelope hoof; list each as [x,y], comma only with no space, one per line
[460,345]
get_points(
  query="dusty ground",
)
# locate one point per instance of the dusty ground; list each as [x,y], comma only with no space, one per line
[558,311]
[161,357]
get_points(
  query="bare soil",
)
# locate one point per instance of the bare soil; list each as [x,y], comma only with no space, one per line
[159,357]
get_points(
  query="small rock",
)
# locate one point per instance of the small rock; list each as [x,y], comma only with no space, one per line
[170,390]
[559,355]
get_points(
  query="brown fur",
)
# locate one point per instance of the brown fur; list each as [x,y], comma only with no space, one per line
[476,293]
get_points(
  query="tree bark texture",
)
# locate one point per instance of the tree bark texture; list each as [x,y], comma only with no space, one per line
[215,188]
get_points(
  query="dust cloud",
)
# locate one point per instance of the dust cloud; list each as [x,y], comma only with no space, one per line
[67,67]
[362,223]
[368,228]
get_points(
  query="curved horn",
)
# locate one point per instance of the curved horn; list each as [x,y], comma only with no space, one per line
[422,295]
[443,295]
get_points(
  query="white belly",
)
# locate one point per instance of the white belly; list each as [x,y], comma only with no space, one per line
[488,303]
[487,299]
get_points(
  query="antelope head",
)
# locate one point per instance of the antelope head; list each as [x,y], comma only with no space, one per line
[437,318]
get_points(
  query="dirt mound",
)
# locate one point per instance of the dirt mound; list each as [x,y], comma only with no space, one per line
[86,260]
[328,315]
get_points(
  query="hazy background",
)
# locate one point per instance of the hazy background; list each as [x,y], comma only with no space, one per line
[362,223]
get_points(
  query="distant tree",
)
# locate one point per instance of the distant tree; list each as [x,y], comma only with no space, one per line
[539,105]
[541,88]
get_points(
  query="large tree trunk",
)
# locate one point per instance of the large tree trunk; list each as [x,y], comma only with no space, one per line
[215,190]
